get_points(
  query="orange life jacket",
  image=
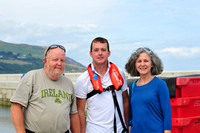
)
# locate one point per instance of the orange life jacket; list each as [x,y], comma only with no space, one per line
[115,76]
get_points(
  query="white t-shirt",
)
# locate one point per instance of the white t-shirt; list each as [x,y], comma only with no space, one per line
[100,107]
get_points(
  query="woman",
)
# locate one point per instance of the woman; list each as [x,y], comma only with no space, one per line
[149,100]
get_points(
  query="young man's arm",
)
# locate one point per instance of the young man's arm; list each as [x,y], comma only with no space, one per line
[17,117]
[126,106]
[81,111]
[75,123]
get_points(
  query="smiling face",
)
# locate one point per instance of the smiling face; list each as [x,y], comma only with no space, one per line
[99,53]
[144,64]
[54,63]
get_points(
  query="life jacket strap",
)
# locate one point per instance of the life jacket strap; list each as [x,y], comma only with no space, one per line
[93,92]
[116,104]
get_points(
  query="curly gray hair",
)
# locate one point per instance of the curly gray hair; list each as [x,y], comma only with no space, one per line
[157,66]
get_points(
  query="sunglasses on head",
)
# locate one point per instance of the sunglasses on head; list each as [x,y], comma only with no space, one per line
[144,49]
[54,46]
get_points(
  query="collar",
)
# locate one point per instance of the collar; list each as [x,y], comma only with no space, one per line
[93,68]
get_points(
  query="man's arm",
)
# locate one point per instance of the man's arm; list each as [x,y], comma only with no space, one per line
[129,129]
[75,123]
[17,117]
[125,104]
[167,131]
[81,111]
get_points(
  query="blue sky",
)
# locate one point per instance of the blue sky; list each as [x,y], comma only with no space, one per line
[171,28]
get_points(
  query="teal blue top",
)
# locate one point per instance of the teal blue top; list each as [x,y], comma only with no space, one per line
[149,107]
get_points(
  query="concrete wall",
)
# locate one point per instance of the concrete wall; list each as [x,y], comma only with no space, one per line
[9,82]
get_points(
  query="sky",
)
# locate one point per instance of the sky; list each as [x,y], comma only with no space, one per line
[170,28]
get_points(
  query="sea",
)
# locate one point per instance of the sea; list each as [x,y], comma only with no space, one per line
[6,125]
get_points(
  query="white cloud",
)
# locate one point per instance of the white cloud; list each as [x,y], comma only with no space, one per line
[126,46]
[42,34]
[70,46]
[56,11]
[182,51]
[138,43]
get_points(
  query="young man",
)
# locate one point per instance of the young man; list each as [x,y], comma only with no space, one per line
[44,101]
[102,87]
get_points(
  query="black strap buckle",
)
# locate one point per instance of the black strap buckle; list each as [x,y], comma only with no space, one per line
[111,87]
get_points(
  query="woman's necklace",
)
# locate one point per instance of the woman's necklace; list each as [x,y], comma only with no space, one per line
[140,84]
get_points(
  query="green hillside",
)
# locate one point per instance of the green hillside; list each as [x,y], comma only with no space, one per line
[21,58]
[22,49]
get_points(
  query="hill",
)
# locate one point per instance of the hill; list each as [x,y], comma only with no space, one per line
[21,58]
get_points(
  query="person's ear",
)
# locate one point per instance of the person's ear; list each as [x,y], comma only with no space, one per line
[90,54]
[109,53]
[44,60]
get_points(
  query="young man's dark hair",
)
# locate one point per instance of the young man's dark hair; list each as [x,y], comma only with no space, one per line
[101,40]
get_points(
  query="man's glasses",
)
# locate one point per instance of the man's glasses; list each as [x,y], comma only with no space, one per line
[54,46]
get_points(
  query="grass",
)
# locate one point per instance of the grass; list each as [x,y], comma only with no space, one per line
[5,103]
